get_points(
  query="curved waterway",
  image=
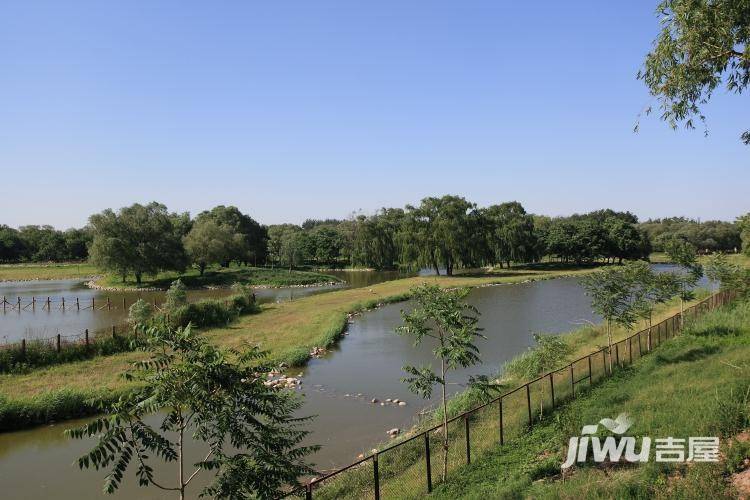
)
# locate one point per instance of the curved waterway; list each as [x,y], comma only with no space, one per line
[337,388]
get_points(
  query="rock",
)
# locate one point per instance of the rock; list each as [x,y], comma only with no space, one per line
[388,400]
[382,404]
[402,403]
[394,432]
[395,401]
[346,395]
[374,400]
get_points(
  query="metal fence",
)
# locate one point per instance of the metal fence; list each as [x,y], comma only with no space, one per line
[411,467]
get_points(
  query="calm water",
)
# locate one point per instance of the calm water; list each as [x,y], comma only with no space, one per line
[368,361]
[38,322]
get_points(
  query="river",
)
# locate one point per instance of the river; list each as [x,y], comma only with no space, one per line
[337,388]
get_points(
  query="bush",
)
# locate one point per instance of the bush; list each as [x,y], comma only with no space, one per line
[213,312]
[139,312]
[176,296]
[548,354]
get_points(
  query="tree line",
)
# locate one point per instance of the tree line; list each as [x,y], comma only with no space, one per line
[442,233]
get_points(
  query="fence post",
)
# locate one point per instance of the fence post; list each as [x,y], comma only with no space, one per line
[33,304]
[591,380]
[630,349]
[109,304]
[48,304]
[528,402]
[78,305]
[63,304]
[500,414]
[92,303]
[58,342]
[19,304]
[427,461]
[572,382]
[552,388]
[23,348]
[86,334]
[123,304]
[604,358]
[308,491]
[4,302]
[468,439]
[114,332]
[375,476]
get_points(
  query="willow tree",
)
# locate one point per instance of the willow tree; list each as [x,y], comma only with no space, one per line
[703,45]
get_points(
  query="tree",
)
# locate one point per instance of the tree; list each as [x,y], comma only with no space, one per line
[445,317]
[510,235]
[209,242]
[11,245]
[250,437]
[685,255]
[253,237]
[293,248]
[743,223]
[139,312]
[649,288]
[140,239]
[275,241]
[626,241]
[703,44]
[611,292]
[327,244]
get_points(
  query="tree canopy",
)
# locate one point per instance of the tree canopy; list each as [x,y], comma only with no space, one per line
[703,45]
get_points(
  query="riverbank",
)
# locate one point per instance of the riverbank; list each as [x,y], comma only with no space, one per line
[695,385]
[47,271]
[402,472]
[288,331]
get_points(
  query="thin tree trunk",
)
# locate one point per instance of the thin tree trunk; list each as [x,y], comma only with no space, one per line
[181,459]
[445,420]
[609,340]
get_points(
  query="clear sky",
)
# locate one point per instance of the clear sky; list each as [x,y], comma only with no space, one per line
[312,109]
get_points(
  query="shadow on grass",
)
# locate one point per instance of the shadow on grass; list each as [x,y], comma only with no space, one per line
[693,354]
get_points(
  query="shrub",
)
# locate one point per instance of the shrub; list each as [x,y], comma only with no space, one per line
[550,351]
[176,296]
[139,312]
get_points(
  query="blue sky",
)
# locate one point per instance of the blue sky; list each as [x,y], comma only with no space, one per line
[292,110]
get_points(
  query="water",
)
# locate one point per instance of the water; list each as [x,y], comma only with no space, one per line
[39,322]
[368,361]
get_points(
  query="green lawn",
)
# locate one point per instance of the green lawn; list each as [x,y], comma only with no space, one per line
[694,385]
[47,271]
[223,277]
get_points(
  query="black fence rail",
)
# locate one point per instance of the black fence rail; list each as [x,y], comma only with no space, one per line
[414,466]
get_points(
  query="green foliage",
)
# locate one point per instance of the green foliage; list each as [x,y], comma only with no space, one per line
[139,312]
[711,236]
[214,312]
[49,407]
[702,45]
[548,353]
[209,242]
[452,324]
[43,244]
[176,296]
[743,223]
[250,245]
[44,353]
[248,431]
[140,239]
[737,453]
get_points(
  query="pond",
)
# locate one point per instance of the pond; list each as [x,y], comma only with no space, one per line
[337,388]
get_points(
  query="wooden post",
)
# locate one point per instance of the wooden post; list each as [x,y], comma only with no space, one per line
[528,403]
[58,342]
[23,347]
[19,304]
[123,304]
[4,302]
[500,416]
[427,461]
[109,304]
[86,334]
[617,354]
[78,305]
[63,304]
[33,303]
[630,349]
[468,439]
[48,304]
[590,379]
[572,382]
[114,333]
[92,304]
[375,476]
[552,389]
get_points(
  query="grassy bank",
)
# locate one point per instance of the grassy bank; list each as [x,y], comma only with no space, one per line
[402,470]
[695,385]
[287,330]
[46,271]
[223,277]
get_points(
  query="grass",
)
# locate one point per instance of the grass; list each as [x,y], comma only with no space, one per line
[402,469]
[694,385]
[223,277]
[287,331]
[46,271]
